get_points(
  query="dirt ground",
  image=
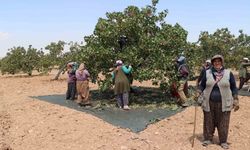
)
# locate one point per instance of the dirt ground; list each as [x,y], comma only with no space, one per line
[30,124]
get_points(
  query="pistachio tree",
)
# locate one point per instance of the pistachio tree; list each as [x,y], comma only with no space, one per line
[139,37]
[223,42]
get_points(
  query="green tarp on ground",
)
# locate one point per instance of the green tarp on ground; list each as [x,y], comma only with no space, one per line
[148,105]
[135,119]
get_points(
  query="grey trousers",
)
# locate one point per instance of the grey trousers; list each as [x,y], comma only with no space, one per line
[122,99]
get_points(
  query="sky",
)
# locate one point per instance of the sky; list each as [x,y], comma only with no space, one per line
[40,22]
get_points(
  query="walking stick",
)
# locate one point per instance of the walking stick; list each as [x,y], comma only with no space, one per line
[195,110]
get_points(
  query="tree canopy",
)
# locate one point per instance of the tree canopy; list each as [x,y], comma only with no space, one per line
[149,44]
[140,37]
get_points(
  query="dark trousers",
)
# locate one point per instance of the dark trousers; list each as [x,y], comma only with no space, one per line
[71,91]
[243,80]
[216,119]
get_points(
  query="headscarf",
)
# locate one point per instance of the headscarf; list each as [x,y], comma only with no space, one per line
[181,60]
[217,57]
[118,62]
[81,67]
[218,73]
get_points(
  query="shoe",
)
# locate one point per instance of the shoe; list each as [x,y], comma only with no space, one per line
[185,104]
[206,143]
[224,145]
[126,107]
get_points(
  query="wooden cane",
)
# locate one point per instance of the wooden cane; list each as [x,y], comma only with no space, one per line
[195,110]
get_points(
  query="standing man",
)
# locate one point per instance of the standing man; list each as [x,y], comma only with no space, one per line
[243,74]
[205,67]
[183,73]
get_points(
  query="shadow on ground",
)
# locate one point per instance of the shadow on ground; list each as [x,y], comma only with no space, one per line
[148,105]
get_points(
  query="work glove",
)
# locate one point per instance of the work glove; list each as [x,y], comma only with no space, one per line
[236,106]
[199,97]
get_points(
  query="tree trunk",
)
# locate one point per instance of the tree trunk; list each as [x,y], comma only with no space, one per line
[60,71]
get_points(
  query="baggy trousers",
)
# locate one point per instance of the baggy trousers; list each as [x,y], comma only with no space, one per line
[82,91]
[216,119]
[122,99]
[71,91]
[243,80]
[183,97]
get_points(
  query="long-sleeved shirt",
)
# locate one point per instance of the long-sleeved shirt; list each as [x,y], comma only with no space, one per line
[124,69]
[82,75]
[203,71]
[215,94]
[243,70]
[71,76]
